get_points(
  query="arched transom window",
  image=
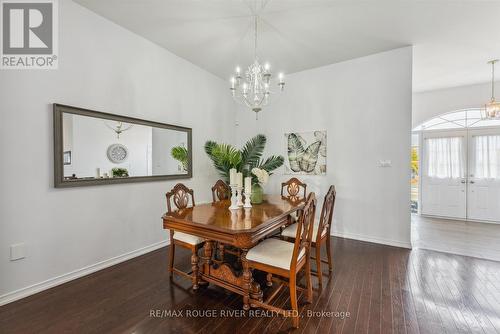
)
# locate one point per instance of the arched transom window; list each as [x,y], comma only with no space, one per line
[461,119]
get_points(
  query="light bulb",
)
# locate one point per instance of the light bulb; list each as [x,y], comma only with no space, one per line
[238,69]
[267,67]
[281,76]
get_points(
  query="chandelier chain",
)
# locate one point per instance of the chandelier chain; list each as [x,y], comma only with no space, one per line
[255,36]
[493,80]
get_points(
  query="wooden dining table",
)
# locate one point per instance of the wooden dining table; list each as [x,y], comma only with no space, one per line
[242,228]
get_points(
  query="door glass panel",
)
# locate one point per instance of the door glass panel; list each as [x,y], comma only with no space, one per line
[487,157]
[445,157]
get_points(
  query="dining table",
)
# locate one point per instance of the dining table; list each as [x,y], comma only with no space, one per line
[240,228]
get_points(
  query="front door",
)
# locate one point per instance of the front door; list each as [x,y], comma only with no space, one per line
[484,175]
[444,182]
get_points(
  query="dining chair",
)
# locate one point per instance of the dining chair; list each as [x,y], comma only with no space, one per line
[285,259]
[293,187]
[220,192]
[180,196]
[321,234]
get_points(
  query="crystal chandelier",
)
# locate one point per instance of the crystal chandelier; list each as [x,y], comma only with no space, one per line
[491,109]
[253,87]
[119,128]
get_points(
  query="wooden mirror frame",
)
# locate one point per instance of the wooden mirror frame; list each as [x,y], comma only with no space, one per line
[59,182]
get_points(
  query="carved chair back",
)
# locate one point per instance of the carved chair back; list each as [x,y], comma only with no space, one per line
[305,227]
[325,221]
[179,196]
[220,191]
[293,187]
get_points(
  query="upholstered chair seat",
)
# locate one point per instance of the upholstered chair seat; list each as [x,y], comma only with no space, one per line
[291,231]
[188,238]
[274,252]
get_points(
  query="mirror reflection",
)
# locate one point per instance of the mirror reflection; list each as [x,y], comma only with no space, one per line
[98,148]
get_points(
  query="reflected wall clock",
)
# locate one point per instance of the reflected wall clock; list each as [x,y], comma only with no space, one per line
[117,153]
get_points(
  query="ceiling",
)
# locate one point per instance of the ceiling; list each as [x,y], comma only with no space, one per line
[452,40]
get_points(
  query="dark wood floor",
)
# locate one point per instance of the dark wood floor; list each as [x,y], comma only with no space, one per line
[384,289]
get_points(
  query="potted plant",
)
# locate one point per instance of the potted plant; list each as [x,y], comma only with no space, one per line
[257,191]
[180,153]
[119,172]
[225,157]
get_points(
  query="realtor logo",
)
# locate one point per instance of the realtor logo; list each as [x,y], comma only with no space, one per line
[29,34]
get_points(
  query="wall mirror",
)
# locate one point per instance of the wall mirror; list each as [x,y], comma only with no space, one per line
[92,148]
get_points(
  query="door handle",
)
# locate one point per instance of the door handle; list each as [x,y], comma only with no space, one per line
[463,181]
[472,181]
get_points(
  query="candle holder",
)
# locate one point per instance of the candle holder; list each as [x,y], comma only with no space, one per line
[234,199]
[247,200]
[239,198]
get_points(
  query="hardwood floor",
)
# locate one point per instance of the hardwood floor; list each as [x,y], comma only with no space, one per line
[374,289]
[457,237]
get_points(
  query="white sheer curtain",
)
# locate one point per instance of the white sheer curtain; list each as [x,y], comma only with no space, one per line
[445,158]
[487,157]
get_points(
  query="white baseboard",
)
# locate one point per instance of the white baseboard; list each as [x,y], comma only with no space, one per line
[52,282]
[371,239]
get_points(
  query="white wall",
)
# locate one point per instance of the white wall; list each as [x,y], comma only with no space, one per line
[90,140]
[365,106]
[163,142]
[427,105]
[102,67]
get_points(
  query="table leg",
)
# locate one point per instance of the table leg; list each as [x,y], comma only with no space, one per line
[206,260]
[194,266]
[247,279]
[250,287]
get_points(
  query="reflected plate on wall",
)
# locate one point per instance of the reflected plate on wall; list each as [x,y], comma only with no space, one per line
[117,153]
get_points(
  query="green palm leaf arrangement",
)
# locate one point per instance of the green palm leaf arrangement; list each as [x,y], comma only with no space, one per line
[225,157]
[180,154]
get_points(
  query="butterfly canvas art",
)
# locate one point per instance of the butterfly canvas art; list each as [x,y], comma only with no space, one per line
[306,153]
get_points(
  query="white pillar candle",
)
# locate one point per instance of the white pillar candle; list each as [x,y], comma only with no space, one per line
[232,176]
[239,180]
[97,173]
[248,185]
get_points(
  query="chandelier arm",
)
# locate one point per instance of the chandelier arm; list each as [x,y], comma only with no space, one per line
[109,127]
[247,103]
[128,128]
[262,101]
[493,81]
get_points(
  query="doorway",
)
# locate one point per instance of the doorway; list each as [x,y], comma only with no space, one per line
[460,168]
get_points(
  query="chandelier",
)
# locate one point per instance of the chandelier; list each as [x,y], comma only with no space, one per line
[252,88]
[491,109]
[119,128]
